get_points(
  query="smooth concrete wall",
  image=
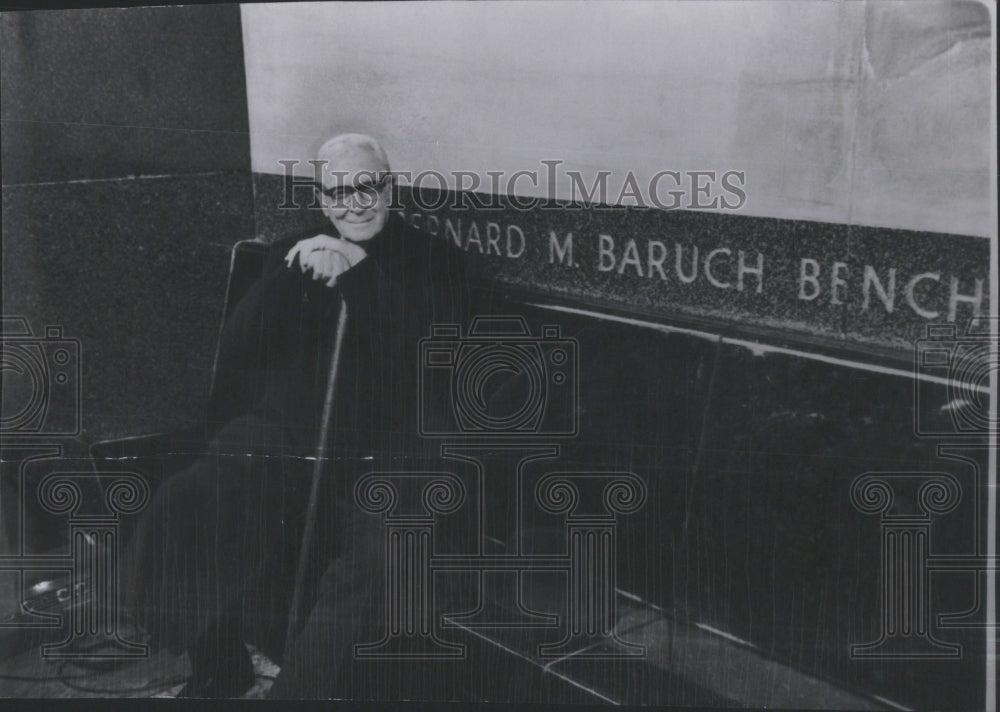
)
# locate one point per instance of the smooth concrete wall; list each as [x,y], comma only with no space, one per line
[866,113]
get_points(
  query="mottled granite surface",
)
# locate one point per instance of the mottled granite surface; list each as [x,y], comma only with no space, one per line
[136,271]
[777,553]
[110,92]
[853,289]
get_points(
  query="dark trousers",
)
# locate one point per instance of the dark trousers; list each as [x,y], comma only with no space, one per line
[348,610]
[222,538]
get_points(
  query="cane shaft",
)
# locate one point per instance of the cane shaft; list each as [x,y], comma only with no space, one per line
[317,474]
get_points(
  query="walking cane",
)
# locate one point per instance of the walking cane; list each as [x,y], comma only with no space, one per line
[317,474]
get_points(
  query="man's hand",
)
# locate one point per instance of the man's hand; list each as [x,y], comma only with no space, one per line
[328,257]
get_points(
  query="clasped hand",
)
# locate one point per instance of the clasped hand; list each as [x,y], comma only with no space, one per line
[326,257]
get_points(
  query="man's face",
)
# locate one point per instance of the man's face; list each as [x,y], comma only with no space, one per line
[356,195]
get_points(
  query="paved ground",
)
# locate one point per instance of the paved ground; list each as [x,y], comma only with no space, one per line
[680,664]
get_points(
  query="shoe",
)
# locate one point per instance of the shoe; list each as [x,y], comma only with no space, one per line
[227,674]
[225,688]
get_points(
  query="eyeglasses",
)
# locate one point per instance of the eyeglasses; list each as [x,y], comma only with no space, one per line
[364,194]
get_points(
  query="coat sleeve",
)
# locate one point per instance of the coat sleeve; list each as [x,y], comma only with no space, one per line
[253,340]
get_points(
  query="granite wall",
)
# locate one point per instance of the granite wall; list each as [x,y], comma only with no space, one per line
[125,182]
[859,292]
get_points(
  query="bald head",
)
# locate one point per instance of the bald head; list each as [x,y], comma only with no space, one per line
[353,165]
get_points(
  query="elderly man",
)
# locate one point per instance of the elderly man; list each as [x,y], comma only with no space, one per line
[213,559]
